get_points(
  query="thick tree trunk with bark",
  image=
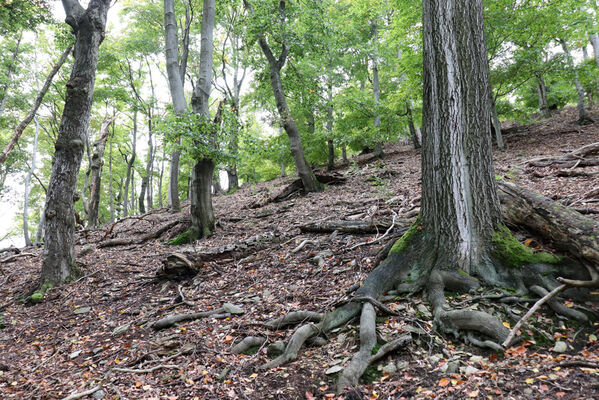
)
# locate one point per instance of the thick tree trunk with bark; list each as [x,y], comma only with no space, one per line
[97,161]
[202,213]
[88,25]
[583,116]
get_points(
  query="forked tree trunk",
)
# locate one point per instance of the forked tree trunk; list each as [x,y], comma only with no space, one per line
[97,161]
[202,213]
[88,25]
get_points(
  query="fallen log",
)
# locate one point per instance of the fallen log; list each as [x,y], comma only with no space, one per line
[360,226]
[152,235]
[576,158]
[568,230]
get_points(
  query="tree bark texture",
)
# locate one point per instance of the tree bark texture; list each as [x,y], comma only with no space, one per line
[89,26]
[583,116]
[460,207]
[97,161]
[177,94]
[202,213]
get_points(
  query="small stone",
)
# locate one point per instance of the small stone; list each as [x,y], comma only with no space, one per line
[434,359]
[476,359]
[233,309]
[121,329]
[275,349]
[98,394]
[97,350]
[423,310]
[334,369]
[413,329]
[560,347]
[402,365]
[390,368]
[470,370]
[74,354]
[83,310]
[453,367]
[528,391]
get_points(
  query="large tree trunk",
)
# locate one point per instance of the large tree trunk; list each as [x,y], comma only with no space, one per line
[459,201]
[176,80]
[583,116]
[88,25]
[97,161]
[202,214]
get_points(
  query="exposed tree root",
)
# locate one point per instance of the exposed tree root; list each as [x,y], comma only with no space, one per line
[580,156]
[171,320]
[558,307]
[247,343]
[152,235]
[294,318]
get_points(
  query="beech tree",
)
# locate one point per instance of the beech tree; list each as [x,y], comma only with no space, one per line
[88,26]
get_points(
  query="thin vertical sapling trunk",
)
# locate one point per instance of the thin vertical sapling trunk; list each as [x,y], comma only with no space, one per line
[583,116]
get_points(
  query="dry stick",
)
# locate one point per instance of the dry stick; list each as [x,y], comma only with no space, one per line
[83,394]
[147,370]
[378,239]
[38,101]
[14,257]
[539,303]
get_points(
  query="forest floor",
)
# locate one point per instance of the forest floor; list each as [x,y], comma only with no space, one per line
[96,331]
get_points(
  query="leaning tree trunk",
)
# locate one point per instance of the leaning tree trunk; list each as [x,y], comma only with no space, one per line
[88,25]
[202,213]
[275,65]
[142,195]
[97,161]
[583,116]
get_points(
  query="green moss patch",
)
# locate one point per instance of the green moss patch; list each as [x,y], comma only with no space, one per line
[186,237]
[402,243]
[514,254]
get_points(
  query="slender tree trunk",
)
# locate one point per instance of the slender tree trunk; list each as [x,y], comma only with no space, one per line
[594,39]
[495,124]
[376,89]
[150,163]
[275,65]
[97,161]
[411,126]
[110,178]
[130,161]
[27,183]
[142,195]
[202,213]
[542,90]
[176,81]
[283,172]
[89,25]
[330,143]
[160,200]
[583,117]
[36,104]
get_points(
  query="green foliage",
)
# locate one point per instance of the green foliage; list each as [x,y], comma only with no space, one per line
[515,254]
[23,14]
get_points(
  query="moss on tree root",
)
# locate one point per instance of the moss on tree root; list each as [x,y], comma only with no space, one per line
[186,237]
[404,241]
[512,253]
